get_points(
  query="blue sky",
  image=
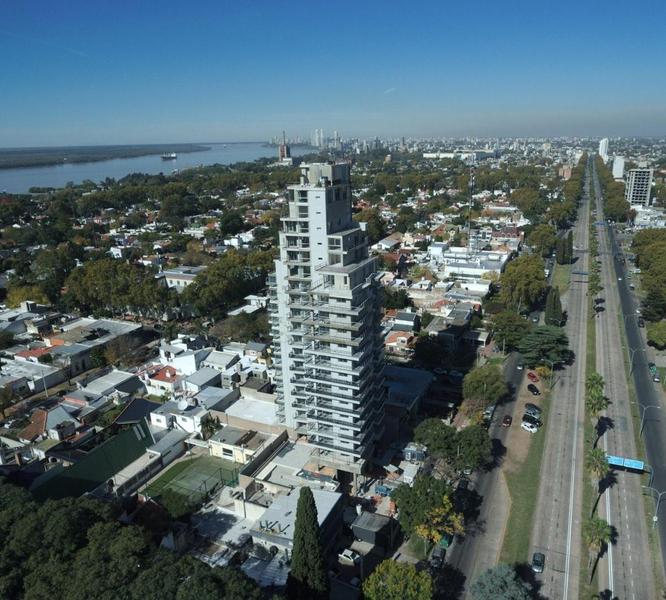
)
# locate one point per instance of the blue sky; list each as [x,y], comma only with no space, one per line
[123,71]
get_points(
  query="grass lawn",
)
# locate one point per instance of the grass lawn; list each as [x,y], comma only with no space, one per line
[561,275]
[524,489]
[417,548]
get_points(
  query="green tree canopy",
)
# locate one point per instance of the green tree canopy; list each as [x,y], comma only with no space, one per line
[509,328]
[523,282]
[393,580]
[542,239]
[545,345]
[416,501]
[483,386]
[656,334]
[500,583]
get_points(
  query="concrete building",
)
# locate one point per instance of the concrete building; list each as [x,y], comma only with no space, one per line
[603,149]
[639,184]
[325,321]
[618,168]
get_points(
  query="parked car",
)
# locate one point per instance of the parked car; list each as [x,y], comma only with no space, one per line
[538,562]
[533,389]
[532,376]
[520,366]
[532,410]
[532,420]
[349,556]
[506,421]
[641,322]
[656,378]
[437,557]
[528,427]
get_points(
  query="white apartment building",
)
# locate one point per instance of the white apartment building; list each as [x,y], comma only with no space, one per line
[325,321]
[639,184]
[618,168]
[603,149]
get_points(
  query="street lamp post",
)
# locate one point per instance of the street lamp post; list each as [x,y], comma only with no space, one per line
[644,410]
[655,518]
[632,353]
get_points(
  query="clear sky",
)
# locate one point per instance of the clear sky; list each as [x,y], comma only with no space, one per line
[139,71]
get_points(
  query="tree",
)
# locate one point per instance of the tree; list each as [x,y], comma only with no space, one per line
[474,447]
[542,239]
[656,334]
[375,228]
[20,293]
[396,299]
[570,245]
[482,387]
[393,580]
[595,403]
[500,583]
[597,463]
[509,329]
[597,533]
[417,501]
[440,438]
[7,399]
[546,344]
[440,521]
[553,313]
[308,577]
[97,357]
[523,282]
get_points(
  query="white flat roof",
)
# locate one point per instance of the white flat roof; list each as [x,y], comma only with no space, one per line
[258,411]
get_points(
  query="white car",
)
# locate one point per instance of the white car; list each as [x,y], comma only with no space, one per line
[349,556]
[529,427]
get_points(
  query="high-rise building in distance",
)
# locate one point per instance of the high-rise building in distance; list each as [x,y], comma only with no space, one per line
[639,186]
[603,149]
[618,167]
[325,322]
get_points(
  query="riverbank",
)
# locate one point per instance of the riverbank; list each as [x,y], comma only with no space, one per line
[24,158]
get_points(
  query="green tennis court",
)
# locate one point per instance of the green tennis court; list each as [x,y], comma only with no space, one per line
[195,478]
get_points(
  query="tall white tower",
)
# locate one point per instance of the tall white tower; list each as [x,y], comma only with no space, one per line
[325,322]
[603,149]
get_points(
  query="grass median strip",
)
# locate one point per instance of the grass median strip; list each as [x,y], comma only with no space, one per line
[523,485]
[561,277]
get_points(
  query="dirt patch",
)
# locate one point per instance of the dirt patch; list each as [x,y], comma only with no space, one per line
[519,441]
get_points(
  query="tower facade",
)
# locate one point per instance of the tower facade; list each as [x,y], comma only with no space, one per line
[325,321]
[639,186]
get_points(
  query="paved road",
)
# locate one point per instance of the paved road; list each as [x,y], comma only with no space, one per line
[557,527]
[626,569]
[654,433]
[480,549]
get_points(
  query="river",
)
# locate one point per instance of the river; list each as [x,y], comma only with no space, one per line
[20,180]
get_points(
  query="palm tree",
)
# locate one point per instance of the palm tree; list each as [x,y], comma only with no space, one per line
[597,534]
[595,402]
[597,463]
[594,381]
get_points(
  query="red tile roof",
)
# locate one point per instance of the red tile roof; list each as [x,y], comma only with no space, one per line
[165,374]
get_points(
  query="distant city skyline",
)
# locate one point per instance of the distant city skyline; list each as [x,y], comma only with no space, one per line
[82,73]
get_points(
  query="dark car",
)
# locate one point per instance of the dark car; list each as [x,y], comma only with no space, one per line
[532,420]
[641,322]
[506,421]
[538,562]
[437,557]
[533,389]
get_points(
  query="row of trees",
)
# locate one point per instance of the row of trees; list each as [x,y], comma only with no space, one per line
[616,207]
[597,533]
[649,247]
[76,547]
